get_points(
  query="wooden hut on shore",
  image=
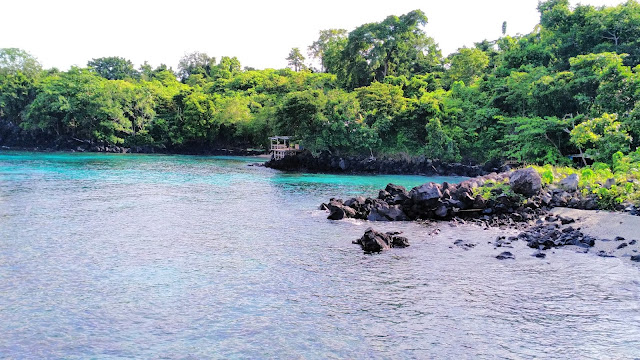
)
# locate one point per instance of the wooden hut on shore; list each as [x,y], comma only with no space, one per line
[282,146]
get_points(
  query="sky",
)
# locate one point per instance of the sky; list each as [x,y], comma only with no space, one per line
[260,34]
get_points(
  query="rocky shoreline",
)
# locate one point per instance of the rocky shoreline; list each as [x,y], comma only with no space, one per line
[453,201]
[112,149]
[516,200]
[328,163]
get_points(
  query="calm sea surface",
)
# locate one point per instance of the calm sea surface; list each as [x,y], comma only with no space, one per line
[146,256]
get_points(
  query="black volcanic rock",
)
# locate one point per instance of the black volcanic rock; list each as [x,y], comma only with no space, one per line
[373,241]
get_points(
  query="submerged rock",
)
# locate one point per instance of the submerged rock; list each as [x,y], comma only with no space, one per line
[539,255]
[505,255]
[603,253]
[464,244]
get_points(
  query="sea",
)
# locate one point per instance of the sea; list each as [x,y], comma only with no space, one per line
[120,256]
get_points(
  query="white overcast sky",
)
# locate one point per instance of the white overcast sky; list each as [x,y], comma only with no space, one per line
[61,33]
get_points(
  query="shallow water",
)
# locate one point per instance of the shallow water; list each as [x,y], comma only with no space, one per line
[148,256]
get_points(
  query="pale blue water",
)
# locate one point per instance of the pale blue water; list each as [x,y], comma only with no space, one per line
[147,256]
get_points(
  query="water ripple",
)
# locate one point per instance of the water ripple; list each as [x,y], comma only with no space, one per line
[139,256]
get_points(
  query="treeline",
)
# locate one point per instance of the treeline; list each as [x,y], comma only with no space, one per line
[570,86]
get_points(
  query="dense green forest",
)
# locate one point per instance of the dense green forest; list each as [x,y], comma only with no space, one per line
[570,86]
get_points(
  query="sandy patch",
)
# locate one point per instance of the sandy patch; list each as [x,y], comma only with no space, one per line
[603,224]
[606,226]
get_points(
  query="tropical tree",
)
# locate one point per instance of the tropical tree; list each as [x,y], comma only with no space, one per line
[80,105]
[195,63]
[396,46]
[328,47]
[301,115]
[296,59]
[467,65]
[13,60]
[113,68]
[602,137]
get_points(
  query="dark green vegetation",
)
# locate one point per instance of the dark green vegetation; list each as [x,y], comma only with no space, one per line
[571,86]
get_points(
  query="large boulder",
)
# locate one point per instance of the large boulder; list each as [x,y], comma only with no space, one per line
[373,241]
[397,194]
[570,183]
[427,194]
[395,213]
[338,211]
[609,183]
[381,211]
[442,211]
[526,182]
[463,190]
[355,202]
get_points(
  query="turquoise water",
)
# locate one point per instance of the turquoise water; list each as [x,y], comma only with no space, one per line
[151,256]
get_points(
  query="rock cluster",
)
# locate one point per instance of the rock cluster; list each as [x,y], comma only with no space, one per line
[327,163]
[373,241]
[547,235]
[446,201]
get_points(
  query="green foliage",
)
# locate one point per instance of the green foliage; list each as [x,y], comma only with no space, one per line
[113,68]
[595,180]
[547,177]
[602,137]
[13,61]
[81,105]
[396,46]
[195,63]
[587,29]
[467,65]
[296,60]
[328,47]
[537,140]
[438,144]
[587,174]
[17,91]
[301,115]
[571,86]
[491,190]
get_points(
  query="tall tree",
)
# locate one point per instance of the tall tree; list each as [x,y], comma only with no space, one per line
[396,46]
[327,47]
[13,60]
[296,59]
[19,74]
[195,63]
[227,67]
[113,68]
[467,65]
